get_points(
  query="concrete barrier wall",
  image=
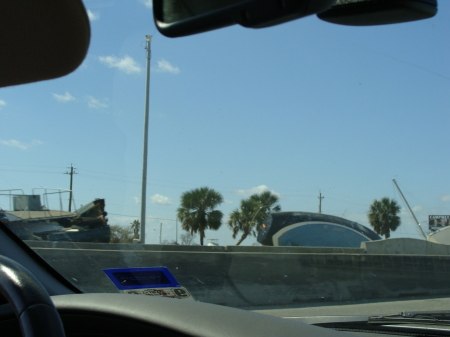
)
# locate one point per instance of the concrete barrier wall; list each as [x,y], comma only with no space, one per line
[387,246]
[405,246]
[252,278]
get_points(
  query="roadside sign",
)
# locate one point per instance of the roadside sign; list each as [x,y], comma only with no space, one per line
[436,222]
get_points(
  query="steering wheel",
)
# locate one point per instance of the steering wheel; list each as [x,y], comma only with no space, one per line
[32,305]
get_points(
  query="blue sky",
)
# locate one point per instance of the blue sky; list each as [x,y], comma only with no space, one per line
[297,109]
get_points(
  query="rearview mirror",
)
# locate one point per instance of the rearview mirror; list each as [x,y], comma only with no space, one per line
[378,12]
[185,17]
[41,40]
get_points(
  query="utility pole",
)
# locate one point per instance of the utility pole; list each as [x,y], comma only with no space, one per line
[144,164]
[72,172]
[160,232]
[320,201]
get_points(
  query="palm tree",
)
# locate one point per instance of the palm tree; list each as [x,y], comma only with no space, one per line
[136,227]
[251,214]
[383,216]
[197,211]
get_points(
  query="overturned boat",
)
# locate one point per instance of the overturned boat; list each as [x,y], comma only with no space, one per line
[29,219]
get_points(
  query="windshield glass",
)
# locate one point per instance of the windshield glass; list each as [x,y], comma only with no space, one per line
[300,165]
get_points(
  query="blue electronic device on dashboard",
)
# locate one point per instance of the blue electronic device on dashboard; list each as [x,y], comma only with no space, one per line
[139,278]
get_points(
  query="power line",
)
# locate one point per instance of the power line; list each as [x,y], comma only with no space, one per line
[28,171]
[147,217]
[58,167]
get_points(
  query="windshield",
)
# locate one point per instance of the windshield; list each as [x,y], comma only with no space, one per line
[301,165]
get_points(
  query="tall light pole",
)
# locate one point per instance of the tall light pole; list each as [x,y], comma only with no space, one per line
[144,164]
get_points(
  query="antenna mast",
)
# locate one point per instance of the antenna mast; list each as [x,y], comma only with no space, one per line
[410,210]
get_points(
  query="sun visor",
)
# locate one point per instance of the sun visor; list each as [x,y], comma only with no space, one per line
[41,39]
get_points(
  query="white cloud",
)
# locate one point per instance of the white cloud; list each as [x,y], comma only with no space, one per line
[20,145]
[160,199]
[404,211]
[92,16]
[126,64]
[228,201]
[137,200]
[14,143]
[63,98]
[445,198]
[96,103]
[147,3]
[2,103]
[256,190]
[417,208]
[84,65]
[164,66]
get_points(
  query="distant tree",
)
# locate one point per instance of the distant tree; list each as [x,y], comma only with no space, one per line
[383,216]
[121,234]
[197,211]
[187,239]
[251,214]
[136,228]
